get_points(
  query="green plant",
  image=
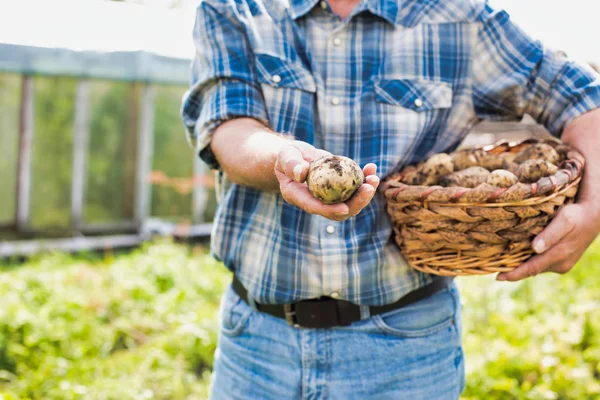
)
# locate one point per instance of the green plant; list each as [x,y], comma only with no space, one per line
[143,325]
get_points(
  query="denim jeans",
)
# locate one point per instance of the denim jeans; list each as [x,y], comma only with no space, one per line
[412,353]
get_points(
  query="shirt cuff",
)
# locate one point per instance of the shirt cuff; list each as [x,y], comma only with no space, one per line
[225,100]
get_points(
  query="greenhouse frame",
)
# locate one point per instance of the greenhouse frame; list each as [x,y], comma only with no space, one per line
[132,52]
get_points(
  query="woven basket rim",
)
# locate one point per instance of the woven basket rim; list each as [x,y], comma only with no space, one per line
[566,177]
[527,202]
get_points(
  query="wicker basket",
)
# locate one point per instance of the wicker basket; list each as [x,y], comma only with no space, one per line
[454,231]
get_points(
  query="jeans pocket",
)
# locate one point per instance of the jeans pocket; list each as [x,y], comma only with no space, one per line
[234,314]
[423,318]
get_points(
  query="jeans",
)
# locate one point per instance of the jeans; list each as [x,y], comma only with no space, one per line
[411,353]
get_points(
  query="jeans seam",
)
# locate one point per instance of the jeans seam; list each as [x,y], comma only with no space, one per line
[459,351]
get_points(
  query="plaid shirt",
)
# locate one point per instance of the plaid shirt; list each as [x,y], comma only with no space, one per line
[396,81]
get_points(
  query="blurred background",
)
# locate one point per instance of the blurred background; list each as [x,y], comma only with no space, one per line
[107,290]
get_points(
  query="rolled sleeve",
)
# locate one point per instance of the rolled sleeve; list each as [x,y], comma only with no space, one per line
[224,84]
[514,75]
[566,91]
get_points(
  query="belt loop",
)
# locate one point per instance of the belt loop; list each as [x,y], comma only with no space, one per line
[365,312]
[252,302]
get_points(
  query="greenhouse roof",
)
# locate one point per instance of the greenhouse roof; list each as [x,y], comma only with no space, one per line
[97,39]
[124,41]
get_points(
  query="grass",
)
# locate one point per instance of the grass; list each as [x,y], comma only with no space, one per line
[143,325]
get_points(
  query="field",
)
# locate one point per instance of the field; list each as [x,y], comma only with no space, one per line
[142,325]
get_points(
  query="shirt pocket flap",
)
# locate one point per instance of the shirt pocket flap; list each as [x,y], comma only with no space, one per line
[278,72]
[417,95]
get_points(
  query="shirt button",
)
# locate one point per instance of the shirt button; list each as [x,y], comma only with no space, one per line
[418,103]
[335,101]
[330,229]
[334,295]
[337,42]
[276,78]
[323,5]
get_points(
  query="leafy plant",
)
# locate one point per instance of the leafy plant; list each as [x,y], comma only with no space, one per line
[143,325]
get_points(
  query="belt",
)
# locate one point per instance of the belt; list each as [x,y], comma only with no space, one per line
[327,312]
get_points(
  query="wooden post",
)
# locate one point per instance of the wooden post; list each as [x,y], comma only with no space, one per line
[80,153]
[144,156]
[199,194]
[26,130]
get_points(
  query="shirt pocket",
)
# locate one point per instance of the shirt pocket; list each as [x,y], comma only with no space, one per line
[415,95]
[403,113]
[289,92]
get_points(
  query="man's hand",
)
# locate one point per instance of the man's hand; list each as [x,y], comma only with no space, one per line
[291,169]
[575,227]
[560,245]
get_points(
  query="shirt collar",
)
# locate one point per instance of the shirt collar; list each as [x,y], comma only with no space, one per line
[299,8]
[386,9]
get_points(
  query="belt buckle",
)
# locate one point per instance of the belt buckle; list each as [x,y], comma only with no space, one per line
[310,313]
[290,315]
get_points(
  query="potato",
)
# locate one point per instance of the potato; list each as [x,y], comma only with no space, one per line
[476,157]
[540,151]
[436,167]
[334,179]
[563,151]
[469,178]
[512,167]
[502,178]
[464,158]
[411,175]
[532,170]
[439,163]
[508,157]
[429,172]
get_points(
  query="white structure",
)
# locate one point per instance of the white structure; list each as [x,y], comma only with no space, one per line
[92,39]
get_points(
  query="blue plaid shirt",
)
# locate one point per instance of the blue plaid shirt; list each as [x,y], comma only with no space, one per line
[396,81]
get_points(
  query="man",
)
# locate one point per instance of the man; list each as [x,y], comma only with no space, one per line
[323,306]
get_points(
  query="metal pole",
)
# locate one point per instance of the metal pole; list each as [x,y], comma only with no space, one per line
[26,131]
[80,153]
[144,157]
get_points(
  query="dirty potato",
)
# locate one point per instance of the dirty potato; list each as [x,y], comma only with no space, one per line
[476,157]
[468,178]
[465,158]
[502,178]
[411,175]
[541,151]
[429,172]
[435,167]
[334,179]
[512,167]
[508,157]
[532,170]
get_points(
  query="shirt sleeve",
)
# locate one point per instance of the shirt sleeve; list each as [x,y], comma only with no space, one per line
[224,83]
[515,75]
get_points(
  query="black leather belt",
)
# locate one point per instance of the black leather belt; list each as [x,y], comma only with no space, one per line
[327,312]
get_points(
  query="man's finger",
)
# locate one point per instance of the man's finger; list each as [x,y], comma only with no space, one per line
[291,162]
[309,152]
[370,169]
[364,195]
[561,225]
[294,159]
[535,265]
